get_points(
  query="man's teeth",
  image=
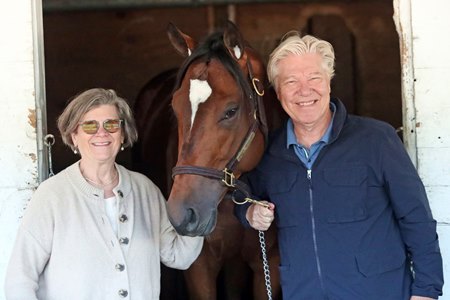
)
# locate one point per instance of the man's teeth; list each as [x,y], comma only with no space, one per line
[306,103]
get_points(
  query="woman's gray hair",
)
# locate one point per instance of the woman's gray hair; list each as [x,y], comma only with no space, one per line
[82,103]
[293,43]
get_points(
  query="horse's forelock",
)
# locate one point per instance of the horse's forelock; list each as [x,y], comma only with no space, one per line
[213,47]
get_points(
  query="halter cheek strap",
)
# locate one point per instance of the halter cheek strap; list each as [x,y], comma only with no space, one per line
[226,176]
[257,96]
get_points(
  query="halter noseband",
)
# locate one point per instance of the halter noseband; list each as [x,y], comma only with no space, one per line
[226,175]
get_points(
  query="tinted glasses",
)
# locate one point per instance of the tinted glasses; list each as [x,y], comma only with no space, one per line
[92,126]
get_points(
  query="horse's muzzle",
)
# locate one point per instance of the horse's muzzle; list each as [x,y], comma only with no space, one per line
[190,223]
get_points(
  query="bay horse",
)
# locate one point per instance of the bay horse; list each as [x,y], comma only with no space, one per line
[222,131]
[222,268]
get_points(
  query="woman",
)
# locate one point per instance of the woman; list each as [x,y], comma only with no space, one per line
[96,230]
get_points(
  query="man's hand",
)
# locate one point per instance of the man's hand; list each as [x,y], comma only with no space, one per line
[260,217]
[421,298]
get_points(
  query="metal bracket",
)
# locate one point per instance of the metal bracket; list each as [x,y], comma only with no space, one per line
[228,178]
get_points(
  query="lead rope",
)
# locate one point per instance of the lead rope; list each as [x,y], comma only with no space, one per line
[49,140]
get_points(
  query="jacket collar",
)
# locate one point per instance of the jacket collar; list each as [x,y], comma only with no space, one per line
[340,117]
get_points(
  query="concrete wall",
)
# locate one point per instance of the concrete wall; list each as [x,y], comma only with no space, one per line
[431,44]
[19,166]
[423,28]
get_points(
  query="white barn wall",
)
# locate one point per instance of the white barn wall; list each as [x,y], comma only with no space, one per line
[430,24]
[18,146]
[423,30]
[427,105]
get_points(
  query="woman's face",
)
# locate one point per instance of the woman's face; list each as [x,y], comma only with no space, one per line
[101,146]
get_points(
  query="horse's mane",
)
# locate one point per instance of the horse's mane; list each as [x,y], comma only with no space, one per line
[213,47]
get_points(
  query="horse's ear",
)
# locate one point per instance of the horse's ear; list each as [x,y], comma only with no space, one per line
[182,42]
[233,41]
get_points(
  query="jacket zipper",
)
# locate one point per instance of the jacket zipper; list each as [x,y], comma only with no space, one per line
[313,228]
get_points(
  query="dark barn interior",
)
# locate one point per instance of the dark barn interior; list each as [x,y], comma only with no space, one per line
[122,46]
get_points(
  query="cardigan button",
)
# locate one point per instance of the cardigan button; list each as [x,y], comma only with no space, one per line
[123,293]
[124,240]
[123,218]
[120,267]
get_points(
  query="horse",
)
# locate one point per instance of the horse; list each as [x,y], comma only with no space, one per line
[154,154]
[222,133]
[229,247]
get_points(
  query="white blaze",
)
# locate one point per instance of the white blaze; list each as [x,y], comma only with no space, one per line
[198,93]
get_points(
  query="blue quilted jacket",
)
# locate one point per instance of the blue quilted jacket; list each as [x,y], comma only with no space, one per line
[357,226]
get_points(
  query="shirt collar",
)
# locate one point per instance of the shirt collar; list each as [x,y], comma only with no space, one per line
[292,140]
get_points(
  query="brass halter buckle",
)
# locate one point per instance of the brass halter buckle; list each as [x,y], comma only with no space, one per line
[228,178]
[254,82]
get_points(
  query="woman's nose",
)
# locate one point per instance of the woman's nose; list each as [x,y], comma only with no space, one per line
[101,131]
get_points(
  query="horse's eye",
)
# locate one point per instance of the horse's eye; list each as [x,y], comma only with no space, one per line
[230,113]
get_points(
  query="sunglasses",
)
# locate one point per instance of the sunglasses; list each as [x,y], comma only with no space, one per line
[92,126]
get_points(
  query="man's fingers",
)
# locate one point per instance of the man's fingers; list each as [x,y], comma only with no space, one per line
[260,217]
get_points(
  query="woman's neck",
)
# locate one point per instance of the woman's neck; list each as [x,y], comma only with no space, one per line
[104,176]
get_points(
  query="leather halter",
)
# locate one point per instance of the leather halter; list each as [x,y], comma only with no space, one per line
[226,175]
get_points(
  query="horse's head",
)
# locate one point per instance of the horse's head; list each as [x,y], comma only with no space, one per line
[218,108]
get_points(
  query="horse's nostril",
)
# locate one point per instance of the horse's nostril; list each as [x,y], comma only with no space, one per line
[191,220]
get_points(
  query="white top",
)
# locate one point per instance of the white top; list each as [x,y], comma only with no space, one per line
[66,249]
[112,212]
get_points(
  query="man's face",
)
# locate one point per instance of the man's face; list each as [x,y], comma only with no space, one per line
[303,88]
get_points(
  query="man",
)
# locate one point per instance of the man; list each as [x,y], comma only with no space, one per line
[352,214]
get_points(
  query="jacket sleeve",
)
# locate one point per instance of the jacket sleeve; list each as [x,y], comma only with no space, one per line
[176,251]
[412,210]
[31,250]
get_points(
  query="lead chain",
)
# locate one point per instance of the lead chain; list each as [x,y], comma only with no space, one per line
[262,242]
[49,140]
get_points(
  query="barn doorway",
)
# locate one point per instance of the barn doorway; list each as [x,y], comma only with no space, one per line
[124,47]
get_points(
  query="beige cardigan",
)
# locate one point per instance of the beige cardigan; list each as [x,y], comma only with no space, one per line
[66,248]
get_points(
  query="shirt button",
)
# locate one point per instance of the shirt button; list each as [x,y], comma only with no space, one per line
[123,218]
[124,240]
[120,193]
[123,293]
[120,267]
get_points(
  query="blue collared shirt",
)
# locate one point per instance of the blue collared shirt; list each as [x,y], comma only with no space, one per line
[308,156]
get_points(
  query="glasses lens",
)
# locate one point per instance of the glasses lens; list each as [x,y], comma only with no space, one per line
[90,127]
[112,125]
